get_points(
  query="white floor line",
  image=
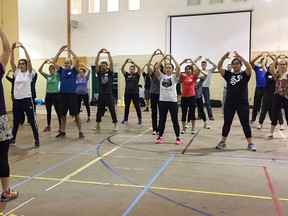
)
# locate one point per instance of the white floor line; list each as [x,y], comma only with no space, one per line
[282,134]
[19,206]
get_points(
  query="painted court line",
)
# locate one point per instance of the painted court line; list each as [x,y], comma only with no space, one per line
[282,134]
[19,206]
[274,198]
[147,186]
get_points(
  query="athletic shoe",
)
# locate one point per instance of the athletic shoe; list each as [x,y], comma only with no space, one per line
[97,127]
[146,109]
[212,118]
[188,125]
[140,122]
[115,126]
[12,142]
[252,121]
[251,147]
[88,119]
[177,142]
[9,195]
[47,128]
[206,126]
[159,140]
[270,136]
[37,144]
[81,135]
[154,133]
[193,131]
[221,145]
[183,131]
[259,127]
[124,122]
[60,134]
[282,127]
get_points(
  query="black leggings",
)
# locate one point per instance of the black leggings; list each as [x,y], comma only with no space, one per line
[106,100]
[258,95]
[278,101]
[164,107]
[4,165]
[85,99]
[52,99]
[188,102]
[154,100]
[200,108]
[20,106]
[243,114]
[135,98]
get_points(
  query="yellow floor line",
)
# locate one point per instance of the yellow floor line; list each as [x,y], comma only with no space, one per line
[155,188]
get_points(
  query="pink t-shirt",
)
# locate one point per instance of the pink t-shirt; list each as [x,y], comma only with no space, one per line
[188,85]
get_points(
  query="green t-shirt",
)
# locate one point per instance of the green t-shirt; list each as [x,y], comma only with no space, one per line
[52,83]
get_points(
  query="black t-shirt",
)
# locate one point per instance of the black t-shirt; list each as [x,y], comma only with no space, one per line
[270,83]
[237,87]
[147,83]
[105,80]
[132,83]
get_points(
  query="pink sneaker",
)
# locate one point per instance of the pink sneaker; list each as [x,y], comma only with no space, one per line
[159,140]
[47,128]
[177,142]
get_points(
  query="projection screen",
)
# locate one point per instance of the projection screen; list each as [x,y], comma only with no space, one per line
[210,35]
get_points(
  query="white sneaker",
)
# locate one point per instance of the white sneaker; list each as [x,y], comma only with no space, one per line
[206,126]
[193,131]
[183,131]
[154,133]
[115,126]
[259,127]
[188,125]
[281,127]
[97,127]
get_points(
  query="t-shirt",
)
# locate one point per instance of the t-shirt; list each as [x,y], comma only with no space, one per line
[147,80]
[260,77]
[2,101]
[68,80]
[22,84]
[270,83]
[155,84]
[198,87]
[52,85]
[168,91]
[282,86]
[132,83]
[237,87]
[81,83]
[105,80]
[188,85]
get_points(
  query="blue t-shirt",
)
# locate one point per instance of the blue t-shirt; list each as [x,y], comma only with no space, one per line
[260,77]
[68,80]
[2,101]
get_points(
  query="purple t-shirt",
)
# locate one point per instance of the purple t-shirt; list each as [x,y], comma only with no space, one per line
[2,100]
[81,83]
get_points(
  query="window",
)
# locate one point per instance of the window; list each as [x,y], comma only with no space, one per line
[94,6]
[112,5]
[76,6]
[216,1]
[134,5]
[193,2]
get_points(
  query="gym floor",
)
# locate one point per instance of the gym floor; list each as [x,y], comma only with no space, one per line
[125,173]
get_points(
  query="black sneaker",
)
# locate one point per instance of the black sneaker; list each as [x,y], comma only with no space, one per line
[81,135]
[12,142]
[60,134]
[37,144]
[221,145]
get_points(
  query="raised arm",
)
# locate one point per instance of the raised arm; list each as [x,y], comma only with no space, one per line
[157,67]
[88,70]
[9,78]
[55,60]
[212,63]
[123,67]
[198,70]
[139,70]
[40,70]
[220,63]
[246,63]
[273,67]
[29,63]
[97,65]
[177,66]
[12,59]
[149,64]
[252,62]
[263,65]
[76,59]
[6,49]
[111,64]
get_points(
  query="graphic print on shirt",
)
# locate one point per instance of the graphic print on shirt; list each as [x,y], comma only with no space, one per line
[235,79]
[104,79]
[167,82]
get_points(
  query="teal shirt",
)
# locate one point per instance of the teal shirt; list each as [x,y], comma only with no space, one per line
[52,83]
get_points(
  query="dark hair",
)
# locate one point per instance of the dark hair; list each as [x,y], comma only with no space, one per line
[161,67]
[133,66]
[83,69]
[204,62]
[24,60]
[52,66]
[236,59]
[170,65]
[104,62]
[189,67]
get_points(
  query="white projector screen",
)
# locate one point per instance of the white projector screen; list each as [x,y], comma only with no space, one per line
[210,35]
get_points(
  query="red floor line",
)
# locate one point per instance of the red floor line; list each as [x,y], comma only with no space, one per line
[274,198]
[20,159]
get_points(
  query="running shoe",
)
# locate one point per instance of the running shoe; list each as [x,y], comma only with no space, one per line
[81,135]
[193,131]
[188,125]
[9,195]
[140,122]
[183,131]
[177,142]
[159,140]
[97,127]
[206,126]
[60,134]
[251,147]
[37,144]
[259,127]
[47,128]
[221,145]
[124,122]
[282,127]
[270,136]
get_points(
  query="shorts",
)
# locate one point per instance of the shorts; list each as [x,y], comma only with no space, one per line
[68,102]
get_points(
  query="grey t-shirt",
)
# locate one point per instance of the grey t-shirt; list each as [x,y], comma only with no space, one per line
[155,84]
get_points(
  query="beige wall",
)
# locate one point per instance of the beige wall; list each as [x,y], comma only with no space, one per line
[9,17]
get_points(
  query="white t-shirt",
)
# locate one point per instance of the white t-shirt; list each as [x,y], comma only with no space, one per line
[22,84]
[168,88]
